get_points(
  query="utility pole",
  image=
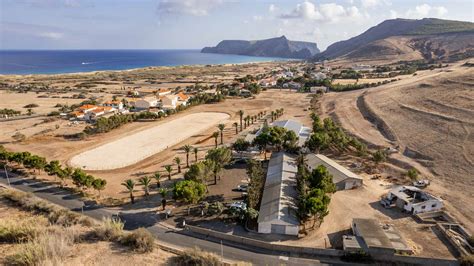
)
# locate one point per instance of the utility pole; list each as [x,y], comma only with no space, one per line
[222,252]
[6,173]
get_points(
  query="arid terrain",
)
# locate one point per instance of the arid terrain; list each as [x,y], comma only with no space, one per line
[429,118]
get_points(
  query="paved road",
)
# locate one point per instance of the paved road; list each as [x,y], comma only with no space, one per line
[148,219]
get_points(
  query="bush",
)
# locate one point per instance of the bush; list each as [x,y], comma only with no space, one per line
[46,249]
[195,257]
[109,230]
[15,232]
[31,105]
[140,240]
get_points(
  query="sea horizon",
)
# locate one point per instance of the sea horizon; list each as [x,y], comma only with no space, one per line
[67,61]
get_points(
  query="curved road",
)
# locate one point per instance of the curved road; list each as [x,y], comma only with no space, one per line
[181,239]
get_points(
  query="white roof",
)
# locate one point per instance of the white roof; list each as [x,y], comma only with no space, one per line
[300,131]
[338,171]
[279,194]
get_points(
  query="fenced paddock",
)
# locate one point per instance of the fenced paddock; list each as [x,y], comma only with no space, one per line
[136,147]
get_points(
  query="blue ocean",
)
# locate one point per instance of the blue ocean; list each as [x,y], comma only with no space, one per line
[70,61]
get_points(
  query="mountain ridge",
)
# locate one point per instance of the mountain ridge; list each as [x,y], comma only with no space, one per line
[273,47]
[418,35]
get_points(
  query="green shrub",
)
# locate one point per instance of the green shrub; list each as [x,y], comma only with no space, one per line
[195,257]
[140,240]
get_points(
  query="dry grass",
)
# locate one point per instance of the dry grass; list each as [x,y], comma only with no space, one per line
[195,257]
[109,230]
[49,248]
[55,214]
[140,240]
[20,231]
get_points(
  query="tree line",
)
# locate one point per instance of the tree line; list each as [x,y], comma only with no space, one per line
[314,190]
[80,179]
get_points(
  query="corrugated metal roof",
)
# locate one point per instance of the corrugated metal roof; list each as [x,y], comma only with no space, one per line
[279,195]
[338,172]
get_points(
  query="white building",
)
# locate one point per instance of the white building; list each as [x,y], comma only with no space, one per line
[301,131]
[169,102]
[316,89]
[412,200]
[318,75]
[269,82]
[146,103]
[278,211]
[341,176]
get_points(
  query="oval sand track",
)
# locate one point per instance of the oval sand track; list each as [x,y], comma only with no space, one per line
[134,148]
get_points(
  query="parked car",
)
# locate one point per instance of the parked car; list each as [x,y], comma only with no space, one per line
[242,187]
[386,203]
[238,205]
[421,183]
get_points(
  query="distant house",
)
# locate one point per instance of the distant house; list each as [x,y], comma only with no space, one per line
[268,82]
[301,131]
[114,104]
[278,211]
[376,239]
[146,103]
[98,112]
[412,200]
[318,76]
[133,93]
[182,98]
[79,115]
[318,89]
[169,102]
[163,92]
[245,93]
[292,85]
[341,176]
[87,108]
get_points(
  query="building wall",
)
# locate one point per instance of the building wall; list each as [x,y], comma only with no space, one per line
[266,227]
[427,206]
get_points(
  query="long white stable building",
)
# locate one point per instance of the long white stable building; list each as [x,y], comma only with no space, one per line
[278,210]
[341,176]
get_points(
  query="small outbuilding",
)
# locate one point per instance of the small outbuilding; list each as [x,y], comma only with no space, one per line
[278,211]
[341,176]
[374,238]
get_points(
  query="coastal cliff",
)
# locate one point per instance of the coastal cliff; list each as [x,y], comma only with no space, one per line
[274,47]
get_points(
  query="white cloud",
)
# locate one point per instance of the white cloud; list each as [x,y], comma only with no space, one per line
[330,12]
[257,18]
[51,35]
[393,14]
[370,3]
[272,8]
[187,7]
[425,10]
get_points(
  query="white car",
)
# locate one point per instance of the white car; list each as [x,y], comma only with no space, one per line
[238,205]
[242,187]
[421,183]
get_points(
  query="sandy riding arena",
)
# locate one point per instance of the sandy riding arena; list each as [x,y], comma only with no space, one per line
[134,148]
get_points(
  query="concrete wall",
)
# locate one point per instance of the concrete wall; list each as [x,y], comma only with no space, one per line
[310,251]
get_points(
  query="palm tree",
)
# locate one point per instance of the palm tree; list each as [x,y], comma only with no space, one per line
[145,182]
[221,129]
[195,150]
[129,184]
[215,135]
[168,169]
[157,177]
[177,160]
[236,125]
[187,150]
[241,114]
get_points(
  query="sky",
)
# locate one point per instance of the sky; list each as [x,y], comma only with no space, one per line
[193,24]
